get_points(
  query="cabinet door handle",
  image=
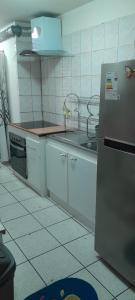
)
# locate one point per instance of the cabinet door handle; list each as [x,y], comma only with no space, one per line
[73,159]
[63,155]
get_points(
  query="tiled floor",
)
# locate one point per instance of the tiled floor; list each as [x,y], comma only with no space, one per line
[48,244]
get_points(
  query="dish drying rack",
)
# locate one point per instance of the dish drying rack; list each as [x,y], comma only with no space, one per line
[73,117]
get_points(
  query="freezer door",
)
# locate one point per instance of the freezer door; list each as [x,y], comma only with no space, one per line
[115,208]
[117,113]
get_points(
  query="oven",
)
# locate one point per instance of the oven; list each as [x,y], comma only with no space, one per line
[18,154]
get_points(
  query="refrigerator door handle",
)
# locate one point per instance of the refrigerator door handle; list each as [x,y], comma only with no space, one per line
[119,145]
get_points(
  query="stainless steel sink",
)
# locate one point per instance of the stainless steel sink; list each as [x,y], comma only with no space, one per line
[78,138]
[92,145]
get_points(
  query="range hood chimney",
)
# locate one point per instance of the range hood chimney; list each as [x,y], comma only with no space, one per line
[46,38]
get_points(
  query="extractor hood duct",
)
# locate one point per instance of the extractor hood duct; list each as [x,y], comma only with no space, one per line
[14,30]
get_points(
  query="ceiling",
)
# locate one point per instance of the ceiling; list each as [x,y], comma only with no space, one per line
[23,10]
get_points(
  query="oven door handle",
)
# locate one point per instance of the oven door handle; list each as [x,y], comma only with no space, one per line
[17,147]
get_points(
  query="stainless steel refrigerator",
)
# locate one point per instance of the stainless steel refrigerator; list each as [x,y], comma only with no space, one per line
[115,205]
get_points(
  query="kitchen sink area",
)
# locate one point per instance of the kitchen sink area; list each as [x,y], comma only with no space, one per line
[78,139]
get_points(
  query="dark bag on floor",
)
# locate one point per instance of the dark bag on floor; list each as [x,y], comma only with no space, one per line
[7,270]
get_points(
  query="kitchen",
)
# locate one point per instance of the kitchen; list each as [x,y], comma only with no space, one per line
[63,91]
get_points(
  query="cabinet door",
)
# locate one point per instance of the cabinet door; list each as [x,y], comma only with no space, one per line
[34,163]
[82,186]
[57,171]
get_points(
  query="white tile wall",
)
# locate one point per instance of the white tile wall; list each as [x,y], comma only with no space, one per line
[76,65]
[86,86]
[36,86]
[110,55]
[86,64]
[29,74]
[98,37]
[58,67]
[127,30]
[126,52]
[35,69]
[24,86]
[86,40]
[80,73]
[111,34]
[37,115]
[36,102]
[26,117]
[76,43]
[67,43]
[97,60]
[25,103]
[24,69]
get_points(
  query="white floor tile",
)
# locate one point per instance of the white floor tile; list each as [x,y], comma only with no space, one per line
[55,265]
[106,276]
[102,293]
[6,237]
[24,194]
[17,253]
[13,186]
[11,212]
[83,249]
[26,281]
[6,178]
[6,199]
[2,190]
[67,231]
[35,204]
[4,171]
[128,295]
[22,226]
[37,243]
[50,216]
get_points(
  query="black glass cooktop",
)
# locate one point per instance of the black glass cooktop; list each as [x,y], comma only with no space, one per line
[36,124]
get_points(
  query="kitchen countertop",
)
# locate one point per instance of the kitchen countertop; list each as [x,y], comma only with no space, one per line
[40,131]
[78,139]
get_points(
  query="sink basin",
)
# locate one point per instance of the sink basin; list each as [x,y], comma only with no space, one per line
[79,139]
[76,137]
[92,145]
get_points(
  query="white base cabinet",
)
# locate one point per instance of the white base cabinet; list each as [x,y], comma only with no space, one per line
[57,171]
[36,165]
[82,185]
[71,179]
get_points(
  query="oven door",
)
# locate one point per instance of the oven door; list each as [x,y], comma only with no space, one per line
[18,158]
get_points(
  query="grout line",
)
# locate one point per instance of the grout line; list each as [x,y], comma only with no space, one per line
[122,292]
[14,218]
[100,282]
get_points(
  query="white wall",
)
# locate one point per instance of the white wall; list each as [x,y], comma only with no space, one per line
[9,47]
[94,13]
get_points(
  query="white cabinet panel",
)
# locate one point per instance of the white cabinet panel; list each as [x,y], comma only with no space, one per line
[71,177]
[34,162]
[57,171]
[82,186]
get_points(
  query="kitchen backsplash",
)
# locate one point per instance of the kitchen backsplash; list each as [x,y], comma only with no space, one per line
[80,73]
[29,75]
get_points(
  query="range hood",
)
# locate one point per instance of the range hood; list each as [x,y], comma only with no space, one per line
[46,38]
